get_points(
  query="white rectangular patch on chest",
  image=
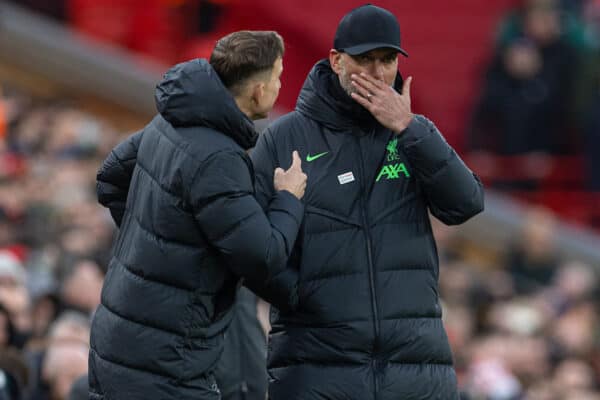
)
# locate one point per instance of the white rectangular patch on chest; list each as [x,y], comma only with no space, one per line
[346,178]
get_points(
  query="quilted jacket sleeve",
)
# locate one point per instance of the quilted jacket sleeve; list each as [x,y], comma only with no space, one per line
[453,192]
[256,244]
[114,176]
[285,284]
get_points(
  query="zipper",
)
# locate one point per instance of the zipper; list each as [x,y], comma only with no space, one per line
[375,369]
[367,230]
[371,269]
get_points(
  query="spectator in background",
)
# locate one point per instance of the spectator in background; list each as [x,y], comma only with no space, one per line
[591,18]
[70,326]
[79,389]
[59,361]
[63,363]
[573,29]
[7,329]
[572,376]
[587,94]
[592,142]
[15,298]
[573,333]
[45,308]
[82,286]
[574,282]
[533,259]
[13,375]
[525,105]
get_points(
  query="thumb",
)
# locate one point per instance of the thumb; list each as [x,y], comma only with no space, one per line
[406,86]
[279,171]
[296,161]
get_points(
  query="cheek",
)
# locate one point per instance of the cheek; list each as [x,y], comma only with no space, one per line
[390,76]
[346,75]
[349,68]
[356,69]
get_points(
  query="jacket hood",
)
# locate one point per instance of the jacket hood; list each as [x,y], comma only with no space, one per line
[192,94]
[323,99]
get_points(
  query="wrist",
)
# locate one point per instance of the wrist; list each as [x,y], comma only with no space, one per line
[290,192]
[402,124]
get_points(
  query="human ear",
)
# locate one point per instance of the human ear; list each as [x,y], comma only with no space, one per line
[335,59]
[258,91]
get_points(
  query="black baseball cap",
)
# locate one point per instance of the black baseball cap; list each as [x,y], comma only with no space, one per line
[367,28]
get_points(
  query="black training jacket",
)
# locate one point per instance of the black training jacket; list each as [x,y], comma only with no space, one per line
[182,191]
[367,324]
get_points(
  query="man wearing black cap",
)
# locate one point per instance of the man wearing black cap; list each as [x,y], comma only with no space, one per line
[367,321]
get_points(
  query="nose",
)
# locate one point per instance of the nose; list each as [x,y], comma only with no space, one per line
[377,69]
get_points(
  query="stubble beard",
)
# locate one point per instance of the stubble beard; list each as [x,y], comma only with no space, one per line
[345,80]
[346,83]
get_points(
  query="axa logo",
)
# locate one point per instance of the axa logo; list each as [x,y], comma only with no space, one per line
[392,171]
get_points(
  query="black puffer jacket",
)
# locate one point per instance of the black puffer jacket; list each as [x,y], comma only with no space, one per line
[242,370]
[368,321]
[182,192]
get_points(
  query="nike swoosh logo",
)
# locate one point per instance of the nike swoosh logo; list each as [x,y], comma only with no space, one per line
[310,158]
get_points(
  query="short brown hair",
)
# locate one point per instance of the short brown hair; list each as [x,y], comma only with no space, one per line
[243,54]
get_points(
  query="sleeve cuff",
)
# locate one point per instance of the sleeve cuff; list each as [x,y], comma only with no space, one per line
[425,146]
[287,202]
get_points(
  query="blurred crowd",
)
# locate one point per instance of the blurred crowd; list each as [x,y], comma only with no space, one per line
[541,92]
[524,325]
[54,244]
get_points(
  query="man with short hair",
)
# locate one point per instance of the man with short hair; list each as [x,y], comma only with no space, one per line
[367,324]
[63,363]
[181,191]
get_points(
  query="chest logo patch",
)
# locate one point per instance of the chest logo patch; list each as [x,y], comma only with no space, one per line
[392,170]
[310,158]
[392,149]
[346,177]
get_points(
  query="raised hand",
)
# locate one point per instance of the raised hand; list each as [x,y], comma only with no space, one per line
[389,107]
[293,180]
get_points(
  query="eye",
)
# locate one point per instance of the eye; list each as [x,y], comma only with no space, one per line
[364,59]
[389,59]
